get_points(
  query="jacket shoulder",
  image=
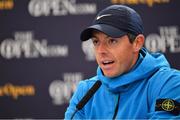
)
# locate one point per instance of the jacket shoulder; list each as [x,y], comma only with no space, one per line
[165,83]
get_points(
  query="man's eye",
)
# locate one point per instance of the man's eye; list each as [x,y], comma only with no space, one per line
[95,42]
[113,41]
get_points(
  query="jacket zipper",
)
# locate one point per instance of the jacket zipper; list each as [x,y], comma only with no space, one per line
[116,108]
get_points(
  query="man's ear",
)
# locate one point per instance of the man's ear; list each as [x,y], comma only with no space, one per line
[138,42]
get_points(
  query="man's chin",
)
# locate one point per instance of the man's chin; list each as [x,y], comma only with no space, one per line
[110,75]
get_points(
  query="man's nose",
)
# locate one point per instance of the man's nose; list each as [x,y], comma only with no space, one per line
[102,48]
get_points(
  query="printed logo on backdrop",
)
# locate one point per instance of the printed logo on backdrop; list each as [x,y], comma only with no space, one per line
[15,91]
[150,3]
[25,45]
[61,90]
[39,8]
[6,4]
[168,39]
[87,47]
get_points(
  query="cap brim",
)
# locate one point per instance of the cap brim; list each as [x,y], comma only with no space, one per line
[107,29]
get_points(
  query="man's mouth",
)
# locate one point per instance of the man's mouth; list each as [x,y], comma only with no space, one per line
[107,62]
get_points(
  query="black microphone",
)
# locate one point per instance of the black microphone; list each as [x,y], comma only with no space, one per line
[88,95]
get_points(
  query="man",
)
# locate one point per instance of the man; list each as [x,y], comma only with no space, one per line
[136,84]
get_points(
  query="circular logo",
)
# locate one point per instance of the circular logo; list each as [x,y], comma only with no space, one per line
[88,49]
[168,105]
[60,92]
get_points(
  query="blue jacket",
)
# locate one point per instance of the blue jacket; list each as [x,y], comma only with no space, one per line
[151,79]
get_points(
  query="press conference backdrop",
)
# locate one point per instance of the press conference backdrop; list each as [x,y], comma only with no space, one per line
[42,58]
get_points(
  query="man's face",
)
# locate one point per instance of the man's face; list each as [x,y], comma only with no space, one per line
[115,56]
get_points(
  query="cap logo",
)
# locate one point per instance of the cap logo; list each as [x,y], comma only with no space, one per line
[101,16]
[168,105]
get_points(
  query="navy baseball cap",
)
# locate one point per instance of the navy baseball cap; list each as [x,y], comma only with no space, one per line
[115,21]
